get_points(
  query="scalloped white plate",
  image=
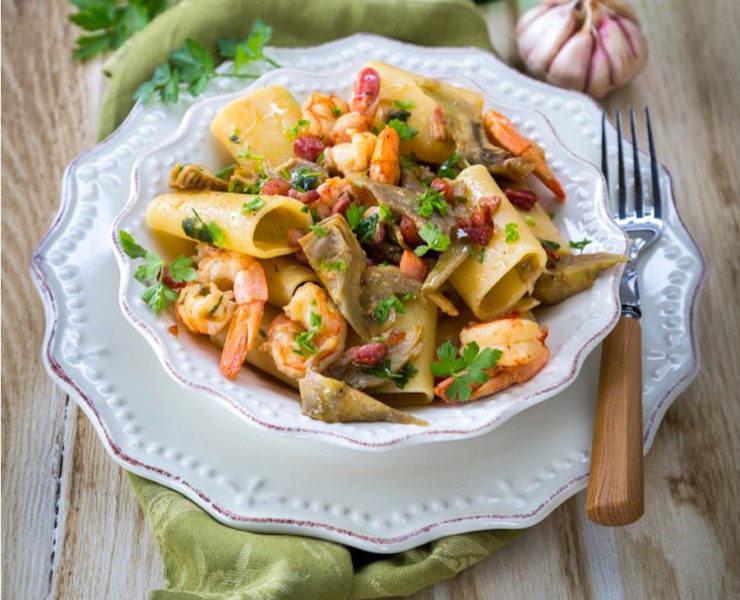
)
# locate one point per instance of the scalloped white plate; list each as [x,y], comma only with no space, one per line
[576,326]
[509,478]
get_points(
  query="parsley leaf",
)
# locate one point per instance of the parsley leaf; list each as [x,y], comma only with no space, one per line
[319,230]
[382,310]
[450,168]
[130,247]
[554,246]
[366,228]
[435,239]
[197,229]
[385,213]
[353,215]
[305,340]
[304,179]
[226,170]
[579,245]
[338,265]
[249,50]
[481,254]
[181,269]
[530,221]
[467,370]
[409,161]
[157,295]
[194,65]
[253,205]
[404,130]
[400,378]
[337,111]
[404,105]
[511,230]
[430,201]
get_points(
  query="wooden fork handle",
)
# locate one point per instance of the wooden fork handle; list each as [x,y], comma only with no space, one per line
[615,484]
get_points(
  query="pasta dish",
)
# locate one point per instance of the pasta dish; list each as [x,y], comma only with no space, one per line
[384,251]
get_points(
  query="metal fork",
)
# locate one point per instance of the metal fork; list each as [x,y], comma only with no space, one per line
[615,485]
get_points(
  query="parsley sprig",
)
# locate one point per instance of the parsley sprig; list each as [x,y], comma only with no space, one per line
[193,65]
[451,167]
[109,23]
[196,228]
[253,206]
[511,231]
[579,245]
[305,340]
[467,370]
[382,310]
[403,129]
[435,239]
[400,378]
[365,227]
[153,270]
[430,201]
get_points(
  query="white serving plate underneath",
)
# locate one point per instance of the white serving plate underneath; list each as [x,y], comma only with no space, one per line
[509,478]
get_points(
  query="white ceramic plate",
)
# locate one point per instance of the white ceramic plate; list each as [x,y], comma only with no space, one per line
[510,478]
[576,326]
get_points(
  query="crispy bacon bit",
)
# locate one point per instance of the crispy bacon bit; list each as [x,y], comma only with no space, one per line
[308,147]
[444,188]
[479,225]
[368,355]
[412,266]
[394,336]
[523,199]
[551,254]
[174,330]
[275,187]
[171,283]
[342,204]
[305,197]
[409,231]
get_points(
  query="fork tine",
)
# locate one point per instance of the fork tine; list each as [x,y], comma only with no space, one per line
[622,191]
[636,162]
[654,175]
[604,157]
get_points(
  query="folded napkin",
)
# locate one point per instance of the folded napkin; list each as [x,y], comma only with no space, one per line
[203,559]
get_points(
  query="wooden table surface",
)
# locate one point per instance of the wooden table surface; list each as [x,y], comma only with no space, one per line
[71,527]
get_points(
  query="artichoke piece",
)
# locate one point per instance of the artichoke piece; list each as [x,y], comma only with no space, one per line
[333,401]
[337,258]
[465,124]
[572,274]
[448,261]
[399,353]
[195,177]
[381,282]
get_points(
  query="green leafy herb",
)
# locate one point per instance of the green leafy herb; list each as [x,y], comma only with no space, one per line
[319,230]
[304,179]
[430,201]
[579,245]
[551,214]
[293,132]
[511,230]
[554,246]
[382,310]
[365,229]
[337,111]
[226,170]
[152,271]
[409,161]
[338,265]
[196,228]
[305,339]
[467,370]
[530,221]
[404,130]
[400,378]
[481,254]
[404,105]
[263,333]
[353,215]
[401,115]
[109,23]
[253,205]
[249,50]
[435,239]
[450,168]
[385,213]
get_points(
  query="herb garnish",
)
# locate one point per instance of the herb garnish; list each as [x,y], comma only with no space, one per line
[466,370]
[382,310]
[196,228]
[404,130]
[319,230]
[305,339]
[512,233]
[337,111]
[338,265]
[293,132]
[450,168]
[430,201]
[400,378]
[579,245]
[530,221]
[409,161]
[435,239]
[253,205]
[226,170]
[481,254]
[404,105]
[554,246]
[304,179]
[158,293]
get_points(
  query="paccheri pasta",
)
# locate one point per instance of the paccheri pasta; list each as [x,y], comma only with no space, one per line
[375,252]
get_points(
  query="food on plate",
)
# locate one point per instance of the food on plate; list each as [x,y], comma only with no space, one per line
[374,252]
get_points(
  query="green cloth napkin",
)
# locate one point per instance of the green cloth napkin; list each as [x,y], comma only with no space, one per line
[203,559]
[294,23]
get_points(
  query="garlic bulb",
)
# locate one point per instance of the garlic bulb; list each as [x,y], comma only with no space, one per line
[590,45]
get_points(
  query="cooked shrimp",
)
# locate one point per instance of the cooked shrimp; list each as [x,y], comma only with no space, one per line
[321,112]
[351,157]
[335,195]
[384,165]
[364,103]
[347,125]
[240,281]
[503,132]
[204,308]
[523,353]
[438,125]
[309,335]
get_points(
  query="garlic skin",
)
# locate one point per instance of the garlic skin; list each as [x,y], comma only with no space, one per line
[593,46]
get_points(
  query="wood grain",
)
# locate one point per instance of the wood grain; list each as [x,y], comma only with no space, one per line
[70,525]
[615,485]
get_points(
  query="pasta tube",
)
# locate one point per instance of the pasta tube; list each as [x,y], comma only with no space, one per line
[262,233]
[283,278]
[508,271]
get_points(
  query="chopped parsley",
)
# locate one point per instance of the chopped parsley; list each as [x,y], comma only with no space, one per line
[554,246]
[511,230]
[337,111]
[404,130]
[450,168]
[400,378]
[293,132]
[196,228]
[409,161]
[226,170]
[385,213]
[530,221]
[157,294]
[401,115]
[579,245]
[551,214]
[253,205]
[382,310]
[305,340]
[435,239]
[304,179]
[404,105]
[467,370]
[319,230]
[481,254]
[430,201]
[334,265]
[247,154]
